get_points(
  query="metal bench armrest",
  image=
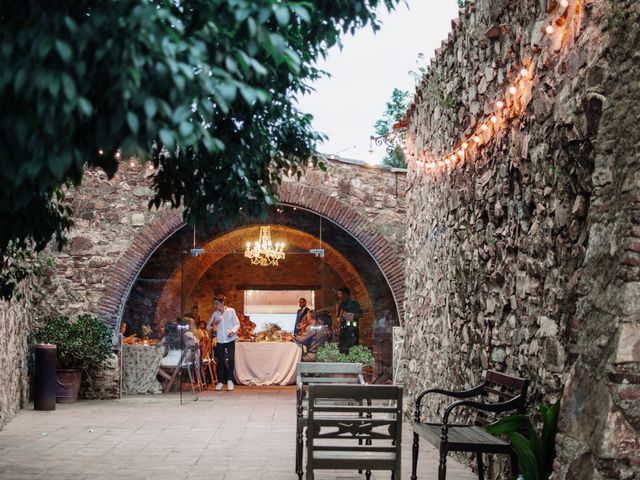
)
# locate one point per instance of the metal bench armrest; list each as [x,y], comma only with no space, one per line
[500,407]
[474,392]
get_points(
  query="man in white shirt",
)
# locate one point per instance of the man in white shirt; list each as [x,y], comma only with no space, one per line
[228,325]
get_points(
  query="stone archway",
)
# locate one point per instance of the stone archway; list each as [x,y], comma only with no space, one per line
[130,263]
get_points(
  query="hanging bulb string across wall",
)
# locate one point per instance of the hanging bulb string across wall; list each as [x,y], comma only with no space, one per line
[506,109]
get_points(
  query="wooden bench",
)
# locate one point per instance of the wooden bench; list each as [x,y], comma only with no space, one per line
[362,436]
[499,394]
[319,373]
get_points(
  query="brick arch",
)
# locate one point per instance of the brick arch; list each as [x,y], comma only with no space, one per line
[388,260]
[233,242]
[165,223]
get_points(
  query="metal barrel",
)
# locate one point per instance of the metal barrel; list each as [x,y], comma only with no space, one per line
[44,391]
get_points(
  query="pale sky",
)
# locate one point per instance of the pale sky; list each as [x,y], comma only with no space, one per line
[365,71]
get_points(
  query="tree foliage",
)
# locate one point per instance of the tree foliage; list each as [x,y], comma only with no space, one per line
[395,110]
[204,89]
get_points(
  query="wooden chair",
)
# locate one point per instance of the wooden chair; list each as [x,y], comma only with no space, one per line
[499,394]
[320,373]
[375,421]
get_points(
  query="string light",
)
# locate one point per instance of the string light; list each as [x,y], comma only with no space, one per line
[525,74]
[118,155]
[100,152]
[151,166]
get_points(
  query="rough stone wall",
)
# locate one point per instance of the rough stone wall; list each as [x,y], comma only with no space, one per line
[16,322]
[523,258]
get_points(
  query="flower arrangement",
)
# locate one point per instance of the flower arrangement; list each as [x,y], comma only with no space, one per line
[273,333]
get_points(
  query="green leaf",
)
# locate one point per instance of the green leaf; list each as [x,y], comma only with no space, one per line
[186,129]
[132,121]
[54,85]
[509,424]
[302,12]
[167,138]
[69,86]
[526,458]
[282,15]
[19,80]
[150,107]
[64,50]
[85,106]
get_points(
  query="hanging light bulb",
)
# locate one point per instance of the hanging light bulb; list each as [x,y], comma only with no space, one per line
[524,72]
[499,104]
[465,145]
[549,29]
[484,127]
[118,155]
[453,158]
[494,119]
[564,3]
[476,138]
[100,152]
[151,166]
[513,90]
[132,163]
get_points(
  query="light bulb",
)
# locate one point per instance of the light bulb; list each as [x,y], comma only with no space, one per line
[310,163]
[118,155]
[441,164]
[290,172]
[132,164]
[461,154]
[484,127]
[549,29]
[524,72]
[476,138]
[453,158]
[447,161]
[564,3]
[248,245]
[151,166]
[513,90]
[100,152]
[494,119]
[465,145]
[499,104]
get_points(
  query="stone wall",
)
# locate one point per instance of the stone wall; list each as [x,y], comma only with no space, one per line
[522,257]
[16,322]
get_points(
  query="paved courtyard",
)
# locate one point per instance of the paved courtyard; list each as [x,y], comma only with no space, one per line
[245,434]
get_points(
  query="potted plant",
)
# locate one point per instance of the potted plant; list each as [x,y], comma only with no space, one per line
[330,352]
[535,452]
[81,345]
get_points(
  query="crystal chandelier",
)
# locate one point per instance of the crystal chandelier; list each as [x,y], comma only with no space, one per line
[263,252]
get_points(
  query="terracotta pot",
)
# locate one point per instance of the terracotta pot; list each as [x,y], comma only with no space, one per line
[68,385]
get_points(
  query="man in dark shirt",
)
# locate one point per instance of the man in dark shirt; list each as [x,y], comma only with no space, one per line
[300,314]
[348,314]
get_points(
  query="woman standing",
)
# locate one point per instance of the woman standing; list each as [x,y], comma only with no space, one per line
[228,325]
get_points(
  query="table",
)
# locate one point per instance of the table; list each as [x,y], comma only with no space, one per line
[266,363]
[139,369]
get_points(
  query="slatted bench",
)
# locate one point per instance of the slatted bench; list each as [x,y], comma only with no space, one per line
[362,436]
[319,373]
[498,394]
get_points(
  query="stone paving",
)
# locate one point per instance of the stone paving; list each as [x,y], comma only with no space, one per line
[245,434]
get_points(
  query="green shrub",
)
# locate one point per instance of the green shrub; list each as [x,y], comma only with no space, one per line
[84,343]
[360,354]
[330,353]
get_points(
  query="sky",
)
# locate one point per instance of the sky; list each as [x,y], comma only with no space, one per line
[366,70]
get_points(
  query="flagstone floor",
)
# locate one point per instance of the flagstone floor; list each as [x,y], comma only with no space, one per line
[245,434]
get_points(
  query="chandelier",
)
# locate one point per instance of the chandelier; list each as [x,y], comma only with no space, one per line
[263,252]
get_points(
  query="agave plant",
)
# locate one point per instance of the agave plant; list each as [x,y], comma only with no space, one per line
[535,453]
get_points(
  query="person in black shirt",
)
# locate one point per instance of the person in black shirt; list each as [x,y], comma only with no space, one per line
[300,314]
[348,314]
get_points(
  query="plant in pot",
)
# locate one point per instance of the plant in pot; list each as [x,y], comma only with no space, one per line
[82,344]
[330,352]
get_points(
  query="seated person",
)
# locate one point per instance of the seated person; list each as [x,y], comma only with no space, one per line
[316,335]
[246,326]
[204,339]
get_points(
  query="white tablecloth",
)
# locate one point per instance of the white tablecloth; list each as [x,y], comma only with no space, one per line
[266,363]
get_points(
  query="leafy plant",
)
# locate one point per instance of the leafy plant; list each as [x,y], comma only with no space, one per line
[84,343]
[330,352]
[206,89]
[394,111]
[535,453]
[360,354]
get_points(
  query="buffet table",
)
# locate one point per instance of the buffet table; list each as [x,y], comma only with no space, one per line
[266,363]
[139,369]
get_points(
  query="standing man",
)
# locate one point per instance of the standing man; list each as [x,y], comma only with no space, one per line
[348,314]
[228,325]
[300,314]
